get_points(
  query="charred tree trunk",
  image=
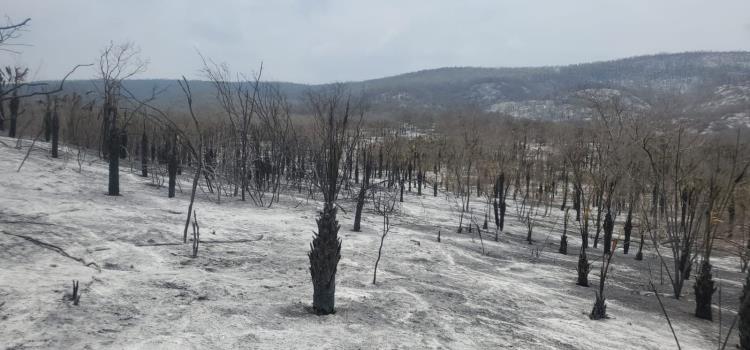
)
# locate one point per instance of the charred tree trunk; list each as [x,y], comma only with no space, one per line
[499,195]
[419,182]
[380,163]
[609,226]
[356,169]
[123,150]
[577,203]
[435,184]
[172,165]
[114,163]
[362,193]
[583,268]
[628,229]
[704,290]
[409,175]
[144,154]
[325,253]
[2,116]
[565,193]
[55,133]
[564,238]
[502,214]
[598,217]
[13,107]
[639,254]
[401,184]
[47,121]
[600,308]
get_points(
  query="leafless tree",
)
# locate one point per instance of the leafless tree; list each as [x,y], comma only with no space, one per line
[117,63]
[384,202]
[332,110]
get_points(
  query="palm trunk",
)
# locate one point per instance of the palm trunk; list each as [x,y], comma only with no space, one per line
[325,253]
[55,133]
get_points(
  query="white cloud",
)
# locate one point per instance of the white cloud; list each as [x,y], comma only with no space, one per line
[327,40]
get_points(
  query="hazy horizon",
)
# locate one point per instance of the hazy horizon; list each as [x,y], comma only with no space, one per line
[333,40]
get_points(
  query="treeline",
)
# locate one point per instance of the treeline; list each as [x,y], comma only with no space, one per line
[628,174]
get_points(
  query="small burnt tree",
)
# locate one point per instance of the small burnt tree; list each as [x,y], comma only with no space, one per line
[384,202]
[564,238]
[17,76]
[368,162]
[628,227]
[639,254]
[55,130]
[600,307]
[172,162]
[331,111]
[608,226]
[144,151]
[721,188]
[116,63]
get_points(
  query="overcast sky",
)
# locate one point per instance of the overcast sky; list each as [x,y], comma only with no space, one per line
[314,41]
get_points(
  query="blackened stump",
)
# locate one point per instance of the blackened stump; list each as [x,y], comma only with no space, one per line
[599,311]
[704,290]
[325,253]
[609,226]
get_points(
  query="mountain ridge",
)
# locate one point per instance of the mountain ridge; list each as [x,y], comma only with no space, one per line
[544,92]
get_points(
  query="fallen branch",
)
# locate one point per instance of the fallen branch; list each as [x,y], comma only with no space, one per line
[55,249]
[669,322]
[731,328]
[29,152]
[231,241]
[25,222]
[201,242]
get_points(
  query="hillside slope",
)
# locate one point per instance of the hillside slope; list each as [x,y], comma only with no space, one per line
[256,293]
[716,86]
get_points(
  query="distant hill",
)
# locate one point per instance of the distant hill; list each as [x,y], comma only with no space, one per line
[718,82]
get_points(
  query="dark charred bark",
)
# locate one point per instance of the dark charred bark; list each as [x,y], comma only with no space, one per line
[577,203]
[704,290]
[380,163]
[144,154]
[565,193]
[114,163]
[123,150]
[172,165]
[583,268]
[401,184]
[409,171]
[325,253]
[47,122]
[502,214]
[2,116]
[564,238]
[419,182]
[356,169]
[639,254]
[628,229]
[362,193]
[55,133]
[599,311]
[598,217]
[609,226]
[13,107]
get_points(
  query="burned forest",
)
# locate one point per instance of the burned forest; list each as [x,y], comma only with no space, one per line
[546,206]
